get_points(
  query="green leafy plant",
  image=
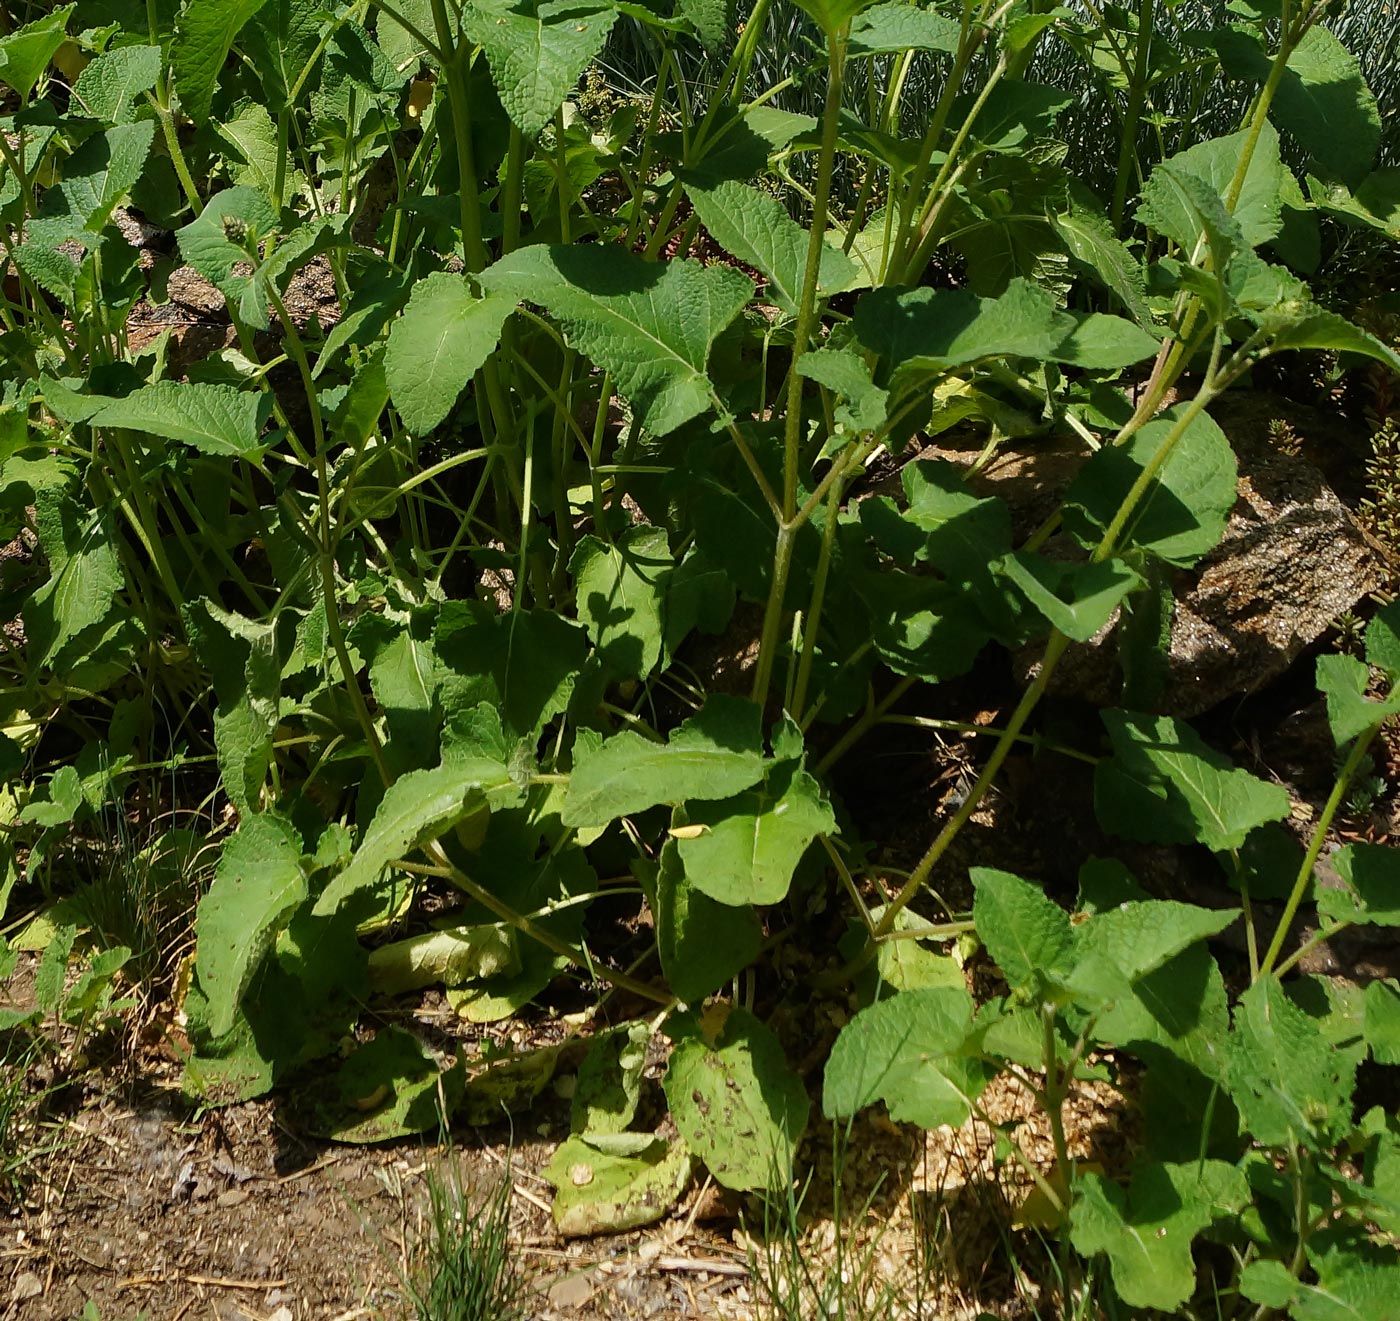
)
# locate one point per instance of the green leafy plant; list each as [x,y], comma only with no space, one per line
[524,398]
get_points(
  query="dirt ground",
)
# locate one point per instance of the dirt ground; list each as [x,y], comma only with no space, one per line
[149,1209]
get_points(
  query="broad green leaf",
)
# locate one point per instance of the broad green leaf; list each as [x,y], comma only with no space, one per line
[1144,638]
[51,974]
[1383,641]
[905,964]
[1357,1280]
[1089,236]
[499,998]
[1002,228]
[204,35]
[1288,1082]
[748,847]
[891,29]
[249,137]
[1258,212]
[1104,343]
[257,886]
[1371,894]
[404,672]
[1375,204]
[932,330]
[846,374]
[109,85]
[25,53]
[1312,327]
[439,343]
[756,228]
[524,663]
[537,51]
[416,808]
[742,141]
[1343,680]
[1183,514]
[944,525]
[1188,210]
[52,270]
[734,1099]
[717,753]
[832,15]
[699,595]
[903,1051]
[1165,785]
[1140,936]
[381,293]
[710,19]
[1027,934]
[205,245]
[1382,1022]
[450,956]
[214,419]
[1269,1283]
[243,657]
[1180,1006]
[651,324]
[283,37]
[610,1080]
[389,1088]
[1114,950]
[301,1005]
[621,594]
[602,1191]
[95,179]
[84,575]
[921,626]
[1012,114]
[1147,1229]
[1322,98]
[355,64]
[1078,599]
[702,943]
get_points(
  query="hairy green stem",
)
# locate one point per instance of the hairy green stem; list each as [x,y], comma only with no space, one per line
[1319,838]
[1132,116]
[326,544]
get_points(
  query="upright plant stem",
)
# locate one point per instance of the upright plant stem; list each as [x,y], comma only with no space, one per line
[326,545]
[802,335]
[1132,116]
[1319,837]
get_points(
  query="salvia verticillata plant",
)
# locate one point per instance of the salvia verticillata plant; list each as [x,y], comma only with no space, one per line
[515,400]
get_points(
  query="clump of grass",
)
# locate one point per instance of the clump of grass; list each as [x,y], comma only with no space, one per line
[464,1270]
[144,899]
[22,1140]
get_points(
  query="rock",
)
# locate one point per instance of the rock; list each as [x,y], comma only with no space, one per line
[1291,561]
[27,1285]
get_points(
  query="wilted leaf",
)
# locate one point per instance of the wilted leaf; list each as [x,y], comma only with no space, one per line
[736,1103]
